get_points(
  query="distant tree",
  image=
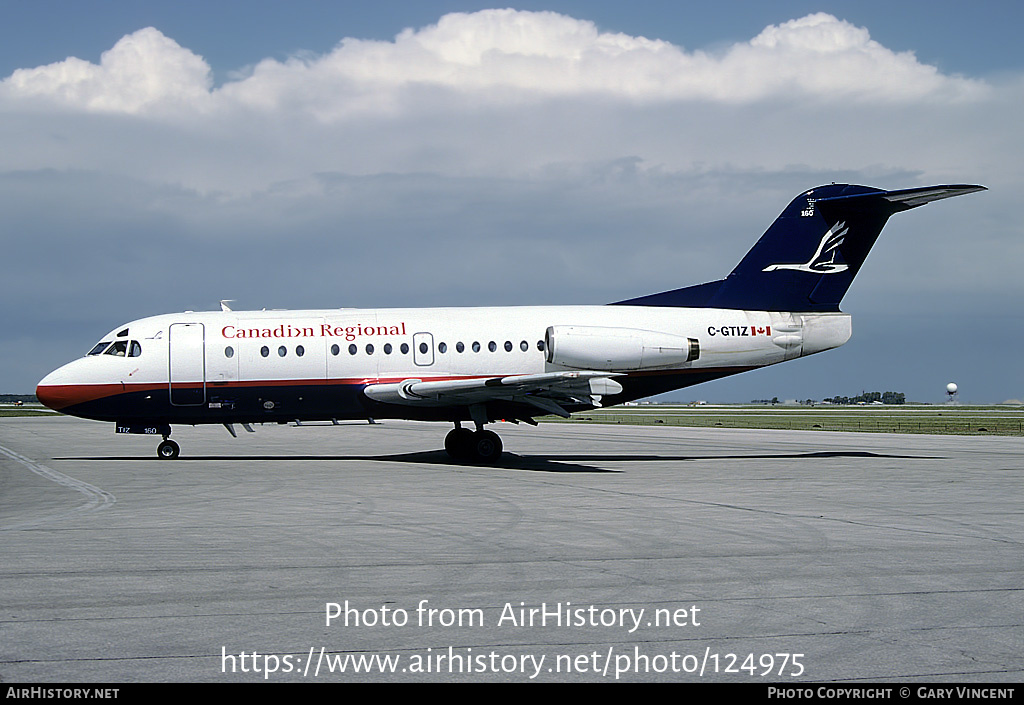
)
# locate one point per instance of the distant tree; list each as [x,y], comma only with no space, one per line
[9,398]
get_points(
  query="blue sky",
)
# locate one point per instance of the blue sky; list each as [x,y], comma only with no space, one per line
[240,150]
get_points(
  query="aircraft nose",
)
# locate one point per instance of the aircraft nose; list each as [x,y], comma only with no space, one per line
[50,395]
[57,390]
[75,389]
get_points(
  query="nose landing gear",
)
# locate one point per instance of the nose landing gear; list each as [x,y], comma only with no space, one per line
[167,450]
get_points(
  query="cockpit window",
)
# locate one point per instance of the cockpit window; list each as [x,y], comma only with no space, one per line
[100,347]
[123,334]
[135,350]
[119,348]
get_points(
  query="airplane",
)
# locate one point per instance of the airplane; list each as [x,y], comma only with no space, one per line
[486,364]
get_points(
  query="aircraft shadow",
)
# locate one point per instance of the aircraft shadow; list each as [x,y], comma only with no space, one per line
[562,463]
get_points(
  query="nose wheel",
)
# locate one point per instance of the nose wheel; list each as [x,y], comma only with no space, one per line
[168,450]
[473,446]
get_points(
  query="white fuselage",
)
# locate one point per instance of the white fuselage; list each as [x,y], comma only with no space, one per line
[243,358]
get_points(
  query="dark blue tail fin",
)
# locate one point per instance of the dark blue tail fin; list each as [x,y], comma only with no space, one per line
[809,256]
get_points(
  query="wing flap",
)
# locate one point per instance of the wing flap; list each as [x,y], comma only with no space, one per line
[546,391]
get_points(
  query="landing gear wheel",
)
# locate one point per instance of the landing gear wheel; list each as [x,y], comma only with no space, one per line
[478,447]
[458,443]
[168,450]
[486,447]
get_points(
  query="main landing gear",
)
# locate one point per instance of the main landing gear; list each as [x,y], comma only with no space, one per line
[478,446]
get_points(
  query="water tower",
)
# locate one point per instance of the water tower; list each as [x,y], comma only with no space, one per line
[951,392]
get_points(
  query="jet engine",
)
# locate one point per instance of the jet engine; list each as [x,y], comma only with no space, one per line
[600,348]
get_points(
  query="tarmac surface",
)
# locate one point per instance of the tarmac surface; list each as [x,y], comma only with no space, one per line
[592,553]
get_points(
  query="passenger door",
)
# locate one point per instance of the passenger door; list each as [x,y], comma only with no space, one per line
[186,364]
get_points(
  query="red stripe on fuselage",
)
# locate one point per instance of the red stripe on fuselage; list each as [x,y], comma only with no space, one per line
[62,396]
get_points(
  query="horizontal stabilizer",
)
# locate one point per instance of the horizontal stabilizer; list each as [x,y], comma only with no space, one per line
[914,197]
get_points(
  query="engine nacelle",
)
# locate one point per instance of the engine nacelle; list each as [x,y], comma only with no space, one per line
[612,349]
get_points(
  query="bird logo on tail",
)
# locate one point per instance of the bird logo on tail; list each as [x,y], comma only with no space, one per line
[824,259]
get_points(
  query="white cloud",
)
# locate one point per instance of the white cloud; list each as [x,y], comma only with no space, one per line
[143,70]
[821,56]
[496,56]
[492,93]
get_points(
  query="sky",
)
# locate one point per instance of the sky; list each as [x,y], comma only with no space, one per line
[159,157]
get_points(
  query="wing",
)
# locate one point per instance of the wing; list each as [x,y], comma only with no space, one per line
[549,392]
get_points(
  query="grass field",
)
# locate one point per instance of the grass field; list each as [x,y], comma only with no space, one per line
[909,418]
[31,409]
[939,419]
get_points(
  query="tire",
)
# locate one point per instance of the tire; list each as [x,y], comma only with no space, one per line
[486,447]
[168,450]
[459,443]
